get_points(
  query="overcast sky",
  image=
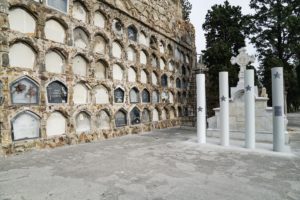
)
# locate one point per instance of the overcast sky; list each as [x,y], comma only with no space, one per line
[200,8]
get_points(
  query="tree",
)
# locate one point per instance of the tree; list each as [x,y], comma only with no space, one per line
[275,30]
[225,34]
[186,9]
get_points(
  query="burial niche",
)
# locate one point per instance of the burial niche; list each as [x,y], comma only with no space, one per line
[155,115]
[25,125]
[164,80]
[154,61]
[143,39]
[61,5]
[135,116]
[131,75]
[1,93]
[155,97]
[56,124]
[101,95]
[57,92]
[80,94]
[120,118]
[131,54]
[171,65]
[79,12]
[55,31]
[22,55]
[162,63]
[118,72]
[99,20]
[83,122]
[172,113]
[146,96]
[24,91]
[100,70]
[79,66]
[117,26]
[81,39]
[161,47]
[100,45]
[146,116]
[178,83]
[154,79]
[116,50]
[54,62]
[119,95]
[20,20]
[163,114]
[132,33]
[171,97]
[144,77]
[103,120]
[143,58]
[134,95]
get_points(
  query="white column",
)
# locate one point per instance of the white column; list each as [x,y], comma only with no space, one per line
[249,109]
[201,109]
[224,107]
[278,109]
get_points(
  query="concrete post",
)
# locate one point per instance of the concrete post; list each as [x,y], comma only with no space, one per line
[201,108]
[224,108]
[249,109]
[278,109]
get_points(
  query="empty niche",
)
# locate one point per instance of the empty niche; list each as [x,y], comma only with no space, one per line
[146,116]
[154,61]
[131,54]
[117,26]
[55,31]
[121,118]
[22,55]
[81,39]
[81,94]
[103,120]
[183,70]
[153,42]
[131,75]
[135,116]
[119,95]
[79,12]
[116,50]
[118,73]
[162,63]
[134,95]
[178,83]
[172,113]
[79,66]
[155,115]
[155,97]
[170,50]
[143,58]
[132,33]
[24,91]
[83,122]
[171,97]
[144,77]
[145,96]
[100,45]
[56,124]
[20,20]
[99,20]
[177,54]
[25,125]
[61,5]
[143,39]
[100,70]
[154,79]
[161,47]
[54,62]
[101,95]
[57,92]
[179,112]
[164,80]
[171,65]
[163,114]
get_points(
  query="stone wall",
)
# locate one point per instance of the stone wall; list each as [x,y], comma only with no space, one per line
[65,67]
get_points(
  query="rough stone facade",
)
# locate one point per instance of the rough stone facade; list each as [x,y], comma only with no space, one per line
[94,52]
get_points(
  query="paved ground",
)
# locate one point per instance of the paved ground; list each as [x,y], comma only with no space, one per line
[163,165]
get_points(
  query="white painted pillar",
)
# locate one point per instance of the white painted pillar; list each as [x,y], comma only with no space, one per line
[201,108]
[278,109]
[249,109]
[224,108]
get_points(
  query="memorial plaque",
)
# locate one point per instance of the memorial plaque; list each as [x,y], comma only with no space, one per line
[119,95]
[178,83]
[135,116]
[155,97]
[132,34]
[61,5]
[57,92]
[146,115]
[277,111]
[146,96]
[24,91]
[121,119]
[164,80]
[134,95]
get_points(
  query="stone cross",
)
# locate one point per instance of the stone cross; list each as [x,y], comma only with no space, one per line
[243,59]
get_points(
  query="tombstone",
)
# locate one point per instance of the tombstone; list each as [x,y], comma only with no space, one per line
[119,95]
[120,118]
[83,122]
[145,96]
[135,116]
[61,5]
[146,116]
[155,97]
[55,31]
[26,25]
[57,92]
[24,91]
[134,96]
[103,120]
[22,55]
[56,124]
[25,125]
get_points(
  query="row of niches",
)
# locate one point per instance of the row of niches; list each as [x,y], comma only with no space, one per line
[55,31]
[25,90]
[27,124]
[23,55]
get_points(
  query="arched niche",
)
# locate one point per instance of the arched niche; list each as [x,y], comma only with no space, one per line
[131,75]
[155,96]
[79,12]
[100,70]
[99,20]
[171,65]
[177,54]
[1,93]
[153,42]
[170,50]
[20,20]
[171,97]
[121,118]
[55,31]
[164,80]
[178,83]
[132,33]
[183,70]
[101,95]
[144,77]
[143,39]
[135,116]
[172,113]
[81,39]
[131,54]
[134,95]
[146,116]
[24,91]
[118,72]
[22,55]
[179,112]
[79,66]
[100,45]
[83,122]
[56,124]
[103,120]
[179,97]
[155,115]
[145,96]
[161,47]
[117,26]
[116,50]
[184,84]
[154,79]
[154,61]
[25,125]
[61,5]
[80,94]
[57,92]
[54,62]
[163,114]
[143,58]
[119,95]
[162,63]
